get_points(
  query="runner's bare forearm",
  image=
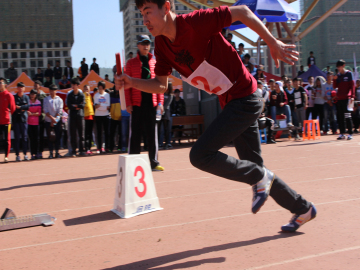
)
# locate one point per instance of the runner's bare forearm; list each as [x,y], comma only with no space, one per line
[247,17]
[156,85]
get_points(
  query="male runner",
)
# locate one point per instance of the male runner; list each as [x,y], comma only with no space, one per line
[194,46]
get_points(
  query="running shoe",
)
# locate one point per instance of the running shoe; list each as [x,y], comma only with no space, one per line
[159,168]
[33,157]
[57,155]
[102,150]
[18,158]
[88,152]
[290,124]
[82,154]
[349,137]
[261,191]
[97,151]
[26,158]
[51,156]
[6,160]
[341,137]
[39,156]
[298,220]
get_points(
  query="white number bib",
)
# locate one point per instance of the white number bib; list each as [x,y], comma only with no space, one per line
[209,79]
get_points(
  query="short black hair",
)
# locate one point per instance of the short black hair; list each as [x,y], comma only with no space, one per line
[3,79]
[38,82]
[159,3]
[20,84]
[33,91]
[75,81]
[57,61]
[330,73]
[340,63]
[241,44]
[94,58]
[311,52]
[310,77]
[177,91]
[259,82]
[102,84]
[95,89]
[247,55]
[295,79]
[53,87]
[271,80]
[229,34]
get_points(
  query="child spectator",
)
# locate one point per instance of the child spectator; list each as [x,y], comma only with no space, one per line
[7,107]
[165,122]
[89,119]
[310,92]
[178,108]
[64,83]
[279,104]
[329,108]
[102,106]
[346,93]
[19,121]
[34,113]
[41,96]
[76,102]
[290,93]
[356,113]
[301,102]
[47,82]
[264,121]
[115,120]
[53,107]
[319,100]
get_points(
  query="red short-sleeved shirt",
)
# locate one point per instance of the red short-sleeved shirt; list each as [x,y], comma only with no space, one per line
[198,38]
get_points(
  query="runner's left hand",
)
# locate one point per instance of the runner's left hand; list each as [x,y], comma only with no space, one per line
[283,52]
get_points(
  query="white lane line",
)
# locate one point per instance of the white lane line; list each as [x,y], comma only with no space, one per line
[159,227]
[85,190]
[314,166]
[305,258]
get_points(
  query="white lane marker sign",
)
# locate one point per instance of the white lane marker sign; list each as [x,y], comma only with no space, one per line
[135,192]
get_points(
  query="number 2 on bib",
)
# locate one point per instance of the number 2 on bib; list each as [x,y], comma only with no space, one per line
[195,81]
[141,181]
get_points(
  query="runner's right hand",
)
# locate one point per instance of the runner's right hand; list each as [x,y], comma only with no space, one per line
[122,81]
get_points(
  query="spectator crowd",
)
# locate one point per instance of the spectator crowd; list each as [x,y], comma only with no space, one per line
[84,121]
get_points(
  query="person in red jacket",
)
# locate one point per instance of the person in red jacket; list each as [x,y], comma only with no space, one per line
[142,106]
[343,81]
[7,106]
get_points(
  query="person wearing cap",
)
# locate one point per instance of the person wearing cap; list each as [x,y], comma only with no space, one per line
[75,101]
[40,96]
[279,104]
[19,120]
[53,107]
[34,113]
[7,107]
[142,106]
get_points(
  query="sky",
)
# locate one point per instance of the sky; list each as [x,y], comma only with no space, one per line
[98,31]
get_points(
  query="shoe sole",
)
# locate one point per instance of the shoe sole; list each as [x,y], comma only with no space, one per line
[272,181]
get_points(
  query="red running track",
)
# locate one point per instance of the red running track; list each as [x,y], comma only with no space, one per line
[206,222]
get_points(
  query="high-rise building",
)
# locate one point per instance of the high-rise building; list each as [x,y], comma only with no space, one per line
[35,33]
[133,23]
[335,38]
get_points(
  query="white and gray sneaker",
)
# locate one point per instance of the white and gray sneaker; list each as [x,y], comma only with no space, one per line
[298,220]
[341,137]
[261,190]
[290,124]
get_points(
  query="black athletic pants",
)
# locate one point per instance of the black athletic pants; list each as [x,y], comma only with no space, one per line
[88,134]
[102,123]
[41,136]
[319,111]
[33,132]
[4,130]
[238,123]
[114,124]
[77,132]
[139,116]
[343,115]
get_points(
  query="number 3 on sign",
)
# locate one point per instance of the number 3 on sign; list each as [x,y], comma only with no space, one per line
[141,181]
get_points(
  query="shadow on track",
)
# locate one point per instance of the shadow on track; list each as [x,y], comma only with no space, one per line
[59,182]
[154,263]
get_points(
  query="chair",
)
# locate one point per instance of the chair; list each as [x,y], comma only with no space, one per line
[311,130]
[261,133]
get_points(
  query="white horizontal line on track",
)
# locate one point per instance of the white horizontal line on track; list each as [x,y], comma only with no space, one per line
[158,227]
[305,258]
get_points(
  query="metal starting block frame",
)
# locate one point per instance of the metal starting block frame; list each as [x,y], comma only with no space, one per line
[9,221]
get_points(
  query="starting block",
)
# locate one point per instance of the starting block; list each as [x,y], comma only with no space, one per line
[9,221]
[135,192]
